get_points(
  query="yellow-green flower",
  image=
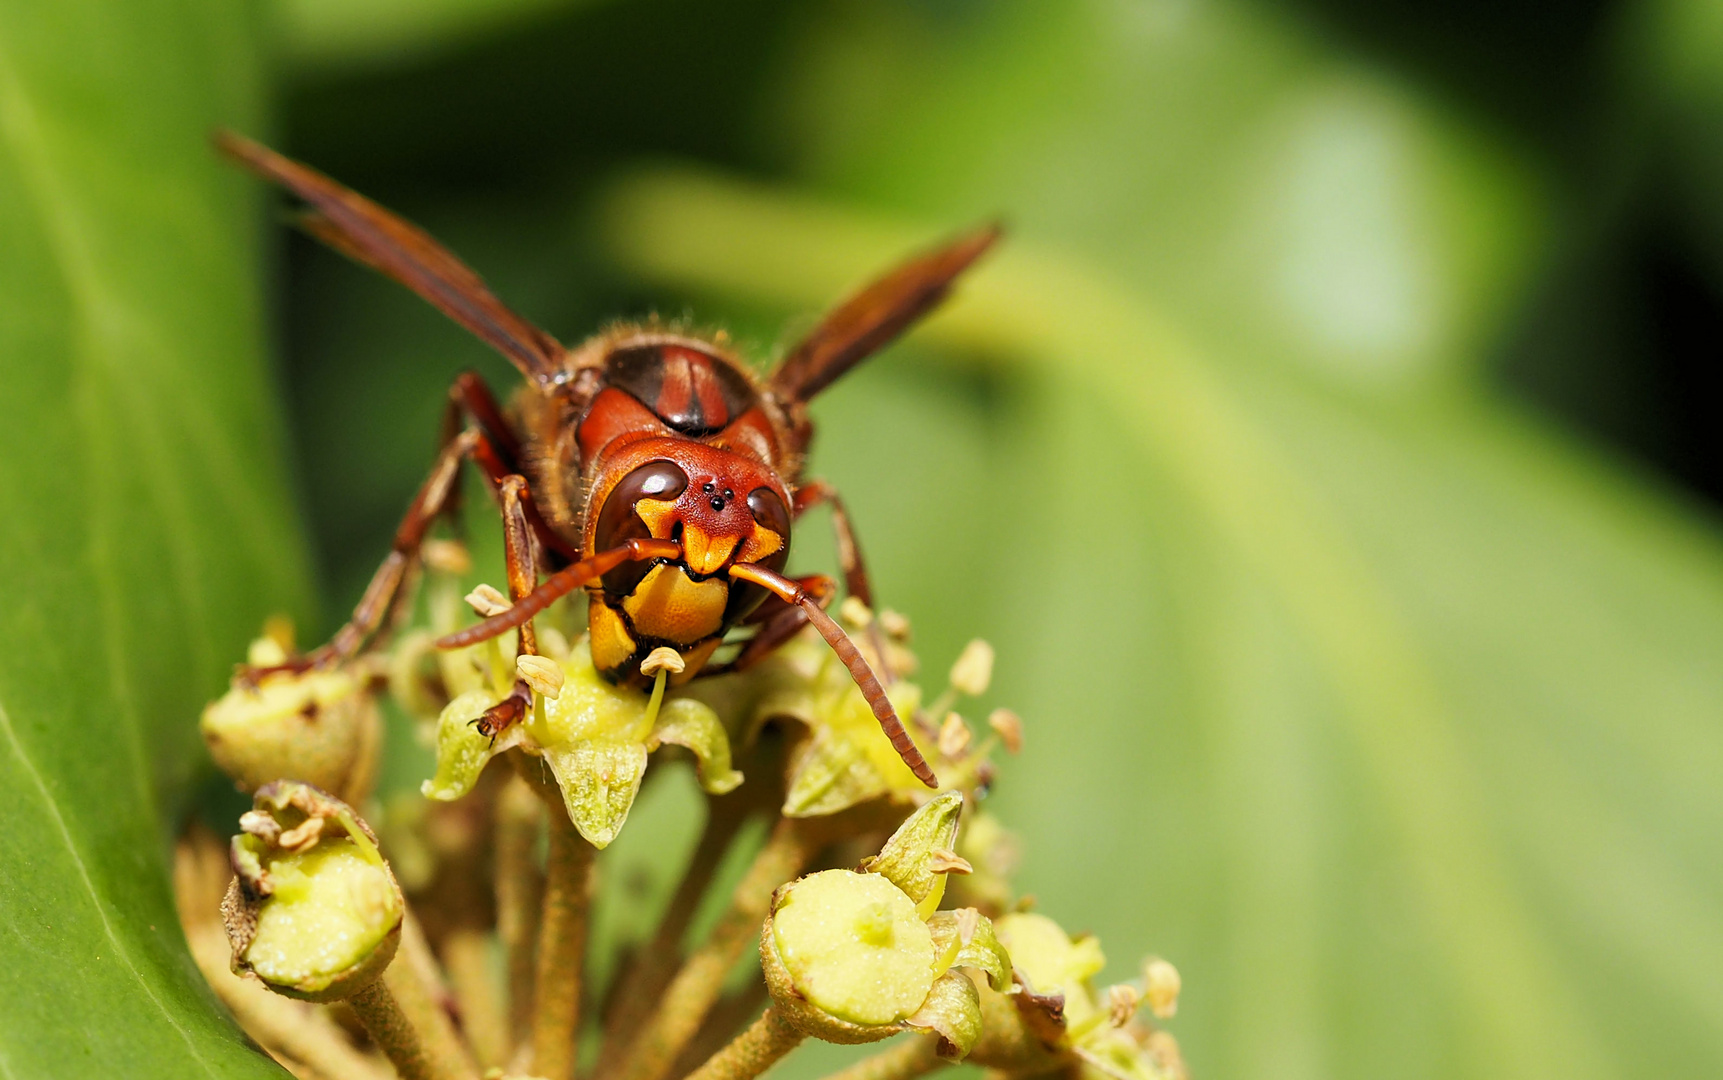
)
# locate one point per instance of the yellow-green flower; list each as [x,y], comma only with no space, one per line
[844,758]
[313,911]
[593,735]
[1054,1016]
[855,957]
[321,727]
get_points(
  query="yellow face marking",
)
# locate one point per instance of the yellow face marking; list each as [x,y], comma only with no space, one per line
[611,645]
[705,553]
[668,604]
[761,543]
[695,659]
[659,516]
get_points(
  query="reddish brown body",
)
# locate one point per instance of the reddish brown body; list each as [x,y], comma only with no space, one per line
[676,443]
[651,468]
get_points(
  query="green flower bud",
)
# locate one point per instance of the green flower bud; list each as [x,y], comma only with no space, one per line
[321,727]
[953,1011]
[919,854]
[854,957]
[314,912]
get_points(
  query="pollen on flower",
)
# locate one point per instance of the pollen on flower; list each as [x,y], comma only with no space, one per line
[1008,727]
[973,670]
[953,735]
[446,556]
[946,861]
[1122,1002]
[662,659]
[541,673]
[487,601]
[1161,985]
[855,613]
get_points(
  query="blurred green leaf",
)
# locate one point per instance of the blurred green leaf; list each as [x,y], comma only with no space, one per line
[1285,199]
[324,37]
[148,521]
[1379,715]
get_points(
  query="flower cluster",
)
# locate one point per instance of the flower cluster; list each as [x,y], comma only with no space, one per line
[878,908]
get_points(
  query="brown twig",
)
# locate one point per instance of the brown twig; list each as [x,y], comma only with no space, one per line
[752,1052]
[520,898]
[561,950]
[401,1017]
[655,964]
[909,1057]
[697,985]
[484,1020]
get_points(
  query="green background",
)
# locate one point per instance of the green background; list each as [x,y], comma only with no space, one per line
[1323,454]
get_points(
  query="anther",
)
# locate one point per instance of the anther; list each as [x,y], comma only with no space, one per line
[662,659]
[487,601]
[541,673]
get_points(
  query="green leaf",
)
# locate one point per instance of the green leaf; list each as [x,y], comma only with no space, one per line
[331,36]
[1371,717]
[148,528]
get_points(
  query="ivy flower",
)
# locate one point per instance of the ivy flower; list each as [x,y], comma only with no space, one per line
[858,956]
[593,736]
[844,758]
[1053,1016]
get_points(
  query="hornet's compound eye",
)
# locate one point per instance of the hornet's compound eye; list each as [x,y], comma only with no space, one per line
[618,523]
[770,513]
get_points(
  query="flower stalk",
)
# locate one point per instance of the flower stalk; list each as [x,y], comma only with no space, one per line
[754,1051]
[697,985]
[561,951]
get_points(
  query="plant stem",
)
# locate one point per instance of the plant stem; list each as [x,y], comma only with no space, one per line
[752,1052]
[286,1028]
[655,964]
[561,950]
[697,985]
[520,897]
[398,1015]
[467,956]
[910,1057]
